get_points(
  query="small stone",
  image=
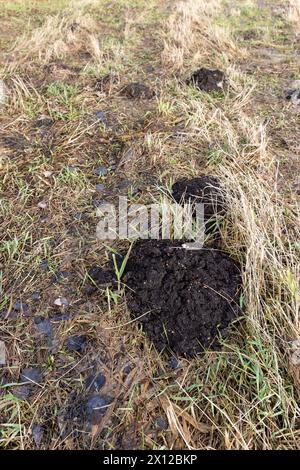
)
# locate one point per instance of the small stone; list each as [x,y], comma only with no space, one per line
[42,205]
[2,353]
[31,374]
[101,171]
[43,326]
[76,343]
[95,382]
[48,174]
[96,408]
[61,302]
[37,434]
[161,423]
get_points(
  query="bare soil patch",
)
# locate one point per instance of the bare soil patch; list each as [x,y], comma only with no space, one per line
[183,299]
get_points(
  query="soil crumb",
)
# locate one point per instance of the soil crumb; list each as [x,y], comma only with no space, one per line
[186,298]
[203,190]
[137,91]
[207,80]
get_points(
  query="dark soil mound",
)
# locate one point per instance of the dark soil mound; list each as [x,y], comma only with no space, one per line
[187,297]
[207,80]
[204,190]
[137,91]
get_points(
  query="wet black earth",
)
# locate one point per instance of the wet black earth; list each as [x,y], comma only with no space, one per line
[183,299]
[207,80]
[203,190]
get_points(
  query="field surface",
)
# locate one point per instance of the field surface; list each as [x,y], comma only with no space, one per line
[72,136]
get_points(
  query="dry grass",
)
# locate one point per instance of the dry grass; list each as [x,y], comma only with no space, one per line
[258,406]
[54,39]
[294,13]
[245,396]
[192,35]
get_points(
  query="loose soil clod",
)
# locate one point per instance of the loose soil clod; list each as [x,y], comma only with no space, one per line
[207,80]
[96,408]
[203,190]
[95,382]
[29,379]
[43,326]
[186,298]
[76,343]
[31,374]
